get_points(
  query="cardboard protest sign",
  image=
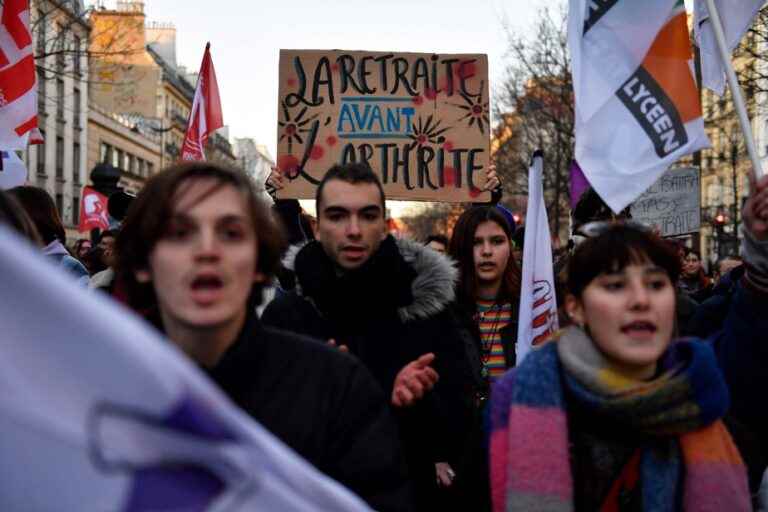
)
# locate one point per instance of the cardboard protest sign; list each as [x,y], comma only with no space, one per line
[673,203]
[421,121]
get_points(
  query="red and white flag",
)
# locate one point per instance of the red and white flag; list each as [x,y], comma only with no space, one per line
[538,303]
[205,116]
[93,210]
[18,85]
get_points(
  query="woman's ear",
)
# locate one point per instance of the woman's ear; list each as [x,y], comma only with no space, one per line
[575,309]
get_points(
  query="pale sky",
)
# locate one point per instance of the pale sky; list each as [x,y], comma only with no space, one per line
[246,36]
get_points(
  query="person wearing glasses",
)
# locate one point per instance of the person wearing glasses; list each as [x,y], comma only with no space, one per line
[615,415]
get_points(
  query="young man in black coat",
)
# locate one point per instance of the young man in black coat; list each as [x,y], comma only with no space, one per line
[193,254]
[386,301]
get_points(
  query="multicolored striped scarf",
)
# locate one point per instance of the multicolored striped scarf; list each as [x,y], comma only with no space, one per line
[530,469]
[492,318]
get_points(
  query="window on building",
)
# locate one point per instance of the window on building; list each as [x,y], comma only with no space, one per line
[141,169]
[41,32]
[75,210]
[105,153]
[42,90]
[60,98]
[117,159]
[40,149]
[76,99]
[60,204]
[77,44]
[150,169]
[60,157]
[61,36]
[131,164]
[76,162]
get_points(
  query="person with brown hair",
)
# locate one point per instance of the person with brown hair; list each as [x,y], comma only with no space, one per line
[193,254]
[12,214]
[487,303]
[42,210]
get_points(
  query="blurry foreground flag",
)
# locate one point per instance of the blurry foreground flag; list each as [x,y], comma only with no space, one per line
[205,116]
[538,304]
[97,412]
[13,172]
[736,16]
[637,105]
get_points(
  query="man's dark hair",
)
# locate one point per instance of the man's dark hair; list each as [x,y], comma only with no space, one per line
[591,207]
[353,174]
[42,210]
[148,216]
[108,233]
[461,250]
[614,250]
[441,239]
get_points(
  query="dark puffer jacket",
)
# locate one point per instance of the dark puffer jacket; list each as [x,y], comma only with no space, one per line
[323,404]
[389,312]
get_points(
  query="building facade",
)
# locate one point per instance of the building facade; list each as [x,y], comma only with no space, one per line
[60,34]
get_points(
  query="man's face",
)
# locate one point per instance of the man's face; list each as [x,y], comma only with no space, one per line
[204,266]
[107,246]
[350,223]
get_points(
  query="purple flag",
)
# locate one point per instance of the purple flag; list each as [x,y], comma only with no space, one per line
[579,183]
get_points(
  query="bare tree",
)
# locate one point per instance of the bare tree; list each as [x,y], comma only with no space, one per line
[535,104]
[430,220]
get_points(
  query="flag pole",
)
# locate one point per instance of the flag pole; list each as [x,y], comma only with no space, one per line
[733,82]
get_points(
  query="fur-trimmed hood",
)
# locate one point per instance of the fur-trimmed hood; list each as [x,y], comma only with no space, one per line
[433,289]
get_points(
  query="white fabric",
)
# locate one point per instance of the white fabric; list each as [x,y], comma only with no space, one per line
[538,303]
[618,157]
[736,17]
[15,113]
[13,173]
[94,405]
[612,49]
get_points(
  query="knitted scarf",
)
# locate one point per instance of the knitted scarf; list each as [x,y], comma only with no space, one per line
[683,404]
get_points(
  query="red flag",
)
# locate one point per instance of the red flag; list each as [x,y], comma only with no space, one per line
[93,210]
[18,91]
[205,116]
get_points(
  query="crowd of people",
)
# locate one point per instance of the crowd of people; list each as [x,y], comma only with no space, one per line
[391,364]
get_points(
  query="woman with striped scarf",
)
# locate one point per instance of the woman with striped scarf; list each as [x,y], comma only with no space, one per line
[613,415]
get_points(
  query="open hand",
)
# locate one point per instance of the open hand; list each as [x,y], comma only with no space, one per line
[414,381]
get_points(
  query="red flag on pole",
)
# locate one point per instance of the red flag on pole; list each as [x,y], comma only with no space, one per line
[205,116]
[93,210]
[18,91]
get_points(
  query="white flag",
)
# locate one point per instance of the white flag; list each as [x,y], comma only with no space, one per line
[18,86]
[538,303]
[97,412]
[13,172]
[736,17]
[631,126]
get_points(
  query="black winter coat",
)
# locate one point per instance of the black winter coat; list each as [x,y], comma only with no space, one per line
[323,404]
[389,312]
